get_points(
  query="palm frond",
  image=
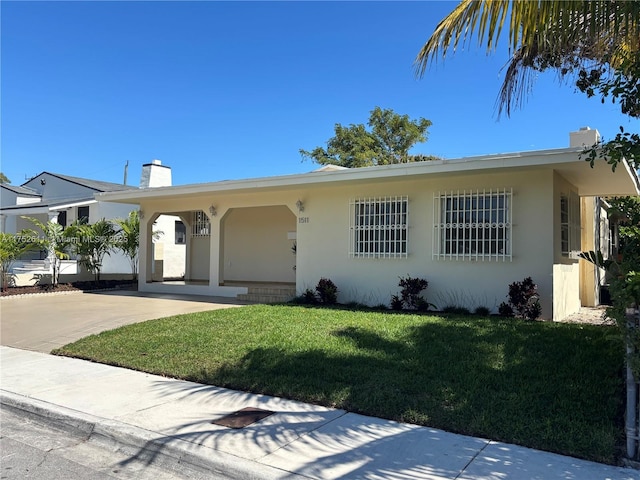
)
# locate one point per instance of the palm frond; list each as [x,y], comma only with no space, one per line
[542,33]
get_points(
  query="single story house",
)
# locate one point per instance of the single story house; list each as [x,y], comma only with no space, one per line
[470,226]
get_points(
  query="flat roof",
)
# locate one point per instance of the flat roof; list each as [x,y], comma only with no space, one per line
[599,180]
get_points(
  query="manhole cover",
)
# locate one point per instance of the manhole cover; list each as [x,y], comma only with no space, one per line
[243,418]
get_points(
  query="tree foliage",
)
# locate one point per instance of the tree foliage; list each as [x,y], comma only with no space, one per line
[93,243]
[388,140]
[11,248]
[128,239]
[4,178]
[597,43]
[55,241]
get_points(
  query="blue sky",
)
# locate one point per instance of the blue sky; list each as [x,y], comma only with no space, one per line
[227,90]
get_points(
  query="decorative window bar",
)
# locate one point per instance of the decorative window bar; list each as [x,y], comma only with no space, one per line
[378,227]
[473,225]
[200,226]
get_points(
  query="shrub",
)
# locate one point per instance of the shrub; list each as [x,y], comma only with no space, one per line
[482,311]
[309,297]
[505,310]
[327,292]
[396,302]
[456,310]
[524,299]
[411,289]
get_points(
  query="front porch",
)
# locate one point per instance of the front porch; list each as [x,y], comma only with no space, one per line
[250,292]
[237,251]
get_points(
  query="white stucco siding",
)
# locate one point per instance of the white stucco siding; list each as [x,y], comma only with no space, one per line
[116,261]
[174,265]
[256,244]
[323,243]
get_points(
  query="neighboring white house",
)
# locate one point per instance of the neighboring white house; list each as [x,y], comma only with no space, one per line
[65,199]
[470,226]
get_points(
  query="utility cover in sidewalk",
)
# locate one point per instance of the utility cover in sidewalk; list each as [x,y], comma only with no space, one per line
[243,418]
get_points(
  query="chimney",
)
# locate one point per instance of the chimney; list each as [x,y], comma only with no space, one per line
[155,174]
[585,137]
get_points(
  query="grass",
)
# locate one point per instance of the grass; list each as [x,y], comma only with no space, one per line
[556,387]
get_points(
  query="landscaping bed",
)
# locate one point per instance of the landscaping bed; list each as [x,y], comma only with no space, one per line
[70,287]
[545,385]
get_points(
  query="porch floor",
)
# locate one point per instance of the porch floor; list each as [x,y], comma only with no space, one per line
[257,292]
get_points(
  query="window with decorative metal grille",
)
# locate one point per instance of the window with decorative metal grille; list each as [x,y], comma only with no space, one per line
[473,225]
[569,223]
[200,226]
[378,227]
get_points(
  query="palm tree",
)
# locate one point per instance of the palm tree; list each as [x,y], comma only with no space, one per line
[93,243]
[128,239]
[56,241]
[564,35]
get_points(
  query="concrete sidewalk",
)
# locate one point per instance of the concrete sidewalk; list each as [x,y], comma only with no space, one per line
[164,420]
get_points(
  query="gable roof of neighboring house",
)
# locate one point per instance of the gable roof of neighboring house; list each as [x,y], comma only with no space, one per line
[596,181]
[96,185]
[22,191]
[59,203]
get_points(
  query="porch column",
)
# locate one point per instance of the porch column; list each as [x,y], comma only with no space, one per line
[215,240]
[187,220]
[3,222]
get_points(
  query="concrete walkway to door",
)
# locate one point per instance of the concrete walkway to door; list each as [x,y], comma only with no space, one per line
[44,322]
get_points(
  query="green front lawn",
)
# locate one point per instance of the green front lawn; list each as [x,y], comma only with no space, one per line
[556,387]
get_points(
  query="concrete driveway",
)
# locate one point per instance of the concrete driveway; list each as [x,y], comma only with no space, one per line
[44,322]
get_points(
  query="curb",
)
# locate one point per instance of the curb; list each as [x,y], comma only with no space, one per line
[142,445]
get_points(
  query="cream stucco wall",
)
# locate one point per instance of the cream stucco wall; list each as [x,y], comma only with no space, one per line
[257,247]
[323,243]
[200,251]
[566,270]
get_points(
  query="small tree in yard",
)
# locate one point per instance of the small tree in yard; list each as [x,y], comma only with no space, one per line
[11,247]
[128,239]
[93,243]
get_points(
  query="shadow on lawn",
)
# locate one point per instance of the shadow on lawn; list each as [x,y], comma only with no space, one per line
[559,391]
[520,383]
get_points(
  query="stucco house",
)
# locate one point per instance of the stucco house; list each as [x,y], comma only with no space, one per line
[64,199]
[470,226]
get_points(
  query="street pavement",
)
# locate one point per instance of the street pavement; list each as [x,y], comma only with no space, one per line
[39,452]
[44,322]
[166,421]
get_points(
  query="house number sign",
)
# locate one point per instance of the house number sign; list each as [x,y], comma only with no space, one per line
[303,219]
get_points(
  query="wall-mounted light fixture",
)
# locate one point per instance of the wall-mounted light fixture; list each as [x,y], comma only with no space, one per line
[141,214]
[213,211]
[300,206]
